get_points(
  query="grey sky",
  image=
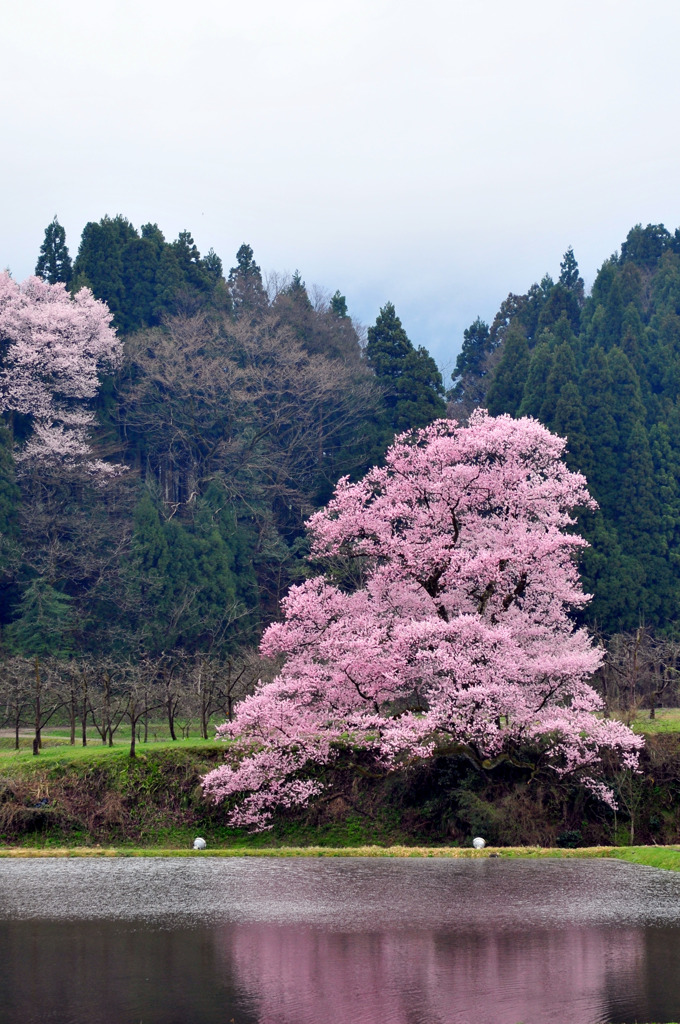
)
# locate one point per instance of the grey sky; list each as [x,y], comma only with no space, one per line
[437,154]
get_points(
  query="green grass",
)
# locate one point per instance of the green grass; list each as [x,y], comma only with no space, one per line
[667,858]
[59,736]
[666,720]
[62,753]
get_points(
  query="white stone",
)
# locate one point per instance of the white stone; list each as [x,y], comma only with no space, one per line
[479,843]
[199,844]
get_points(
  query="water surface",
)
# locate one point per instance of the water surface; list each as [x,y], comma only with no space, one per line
[337,941]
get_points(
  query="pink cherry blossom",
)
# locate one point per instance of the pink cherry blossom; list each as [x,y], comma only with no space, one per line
[458,640]
[52,348]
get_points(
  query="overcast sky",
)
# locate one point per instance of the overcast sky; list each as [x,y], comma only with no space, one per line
[438,154]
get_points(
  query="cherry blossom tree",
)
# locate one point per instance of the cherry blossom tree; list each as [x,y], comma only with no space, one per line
[455,635]
[52,348]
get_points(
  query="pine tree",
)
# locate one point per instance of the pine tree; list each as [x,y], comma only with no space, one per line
[470,367]
[615,580]
[540,368]
[640,526]
[570,277]
[146,578]
[44,622]
[666,458]
[638,514]
[626,403]
[190,262]
[510,377]
[54,262]
[634,342]
[596,392]
[412,383]
[646,246]
[213,267]
[561,303]
[169,281]
[563,371]
[245,283]
[140,258]
[570,421]
[99,263]
[338,305]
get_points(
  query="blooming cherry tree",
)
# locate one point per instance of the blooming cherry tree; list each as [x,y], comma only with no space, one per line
[458,637]
[52,348]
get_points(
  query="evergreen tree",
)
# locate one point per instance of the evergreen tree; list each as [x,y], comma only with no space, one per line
[570,277]
[633,286]
[54,262]
[44,622]
[339,305]
[569,421]
[540,367]
[646,246]
[471,362]
[563,371]
[666,459]
[638,514]
[561,303]
[509,380]
[146,575]
[212,265]
[412,383]
[99,263]
[193,269]
[245,283]
[297,290]
[169,281]
[633,341]
[182,581]
[596,391]
[626,403]
[140,259]
[615,580]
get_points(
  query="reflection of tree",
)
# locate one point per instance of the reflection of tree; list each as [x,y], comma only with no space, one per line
[297,974]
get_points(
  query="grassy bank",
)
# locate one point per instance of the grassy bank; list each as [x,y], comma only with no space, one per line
[667,858]
[99,797]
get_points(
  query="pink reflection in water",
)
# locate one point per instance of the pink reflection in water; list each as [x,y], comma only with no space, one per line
[312,976]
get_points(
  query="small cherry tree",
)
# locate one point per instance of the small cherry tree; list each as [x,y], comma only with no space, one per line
[52,348]
[455,639]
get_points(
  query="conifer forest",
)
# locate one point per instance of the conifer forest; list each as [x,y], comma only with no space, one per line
[170,423]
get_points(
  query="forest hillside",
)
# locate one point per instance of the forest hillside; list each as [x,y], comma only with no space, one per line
[153,492]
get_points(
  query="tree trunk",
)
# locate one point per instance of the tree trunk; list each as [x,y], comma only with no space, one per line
[171,717]
[37,739]
[204,718]
[83,715]
[72,714]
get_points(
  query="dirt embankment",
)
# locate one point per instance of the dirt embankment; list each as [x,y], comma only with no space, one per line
[156,800]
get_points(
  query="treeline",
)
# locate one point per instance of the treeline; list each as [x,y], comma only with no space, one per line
[602,370]
[92,694]
[236,406]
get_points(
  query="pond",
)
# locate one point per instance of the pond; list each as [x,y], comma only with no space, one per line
[337,941]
